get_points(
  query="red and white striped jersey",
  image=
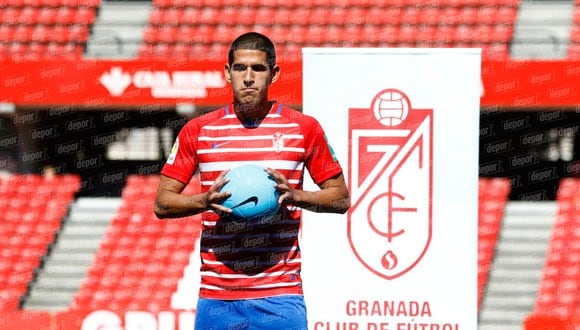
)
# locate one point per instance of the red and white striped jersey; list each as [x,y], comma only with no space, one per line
[242,259]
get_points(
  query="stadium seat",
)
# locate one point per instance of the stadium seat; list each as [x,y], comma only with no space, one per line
[29,227]
[172,15]
[559,292]
[85,15]
[33,25]
[67,15]
[45,16]
[156,16]
[162,3]
[10,15]
[493,196]
[167,34]
[506,15]
[151,253]
[42,33]
[192,16]
[6,33]
[23,33]
[52,3]
[28,15]
[394,23]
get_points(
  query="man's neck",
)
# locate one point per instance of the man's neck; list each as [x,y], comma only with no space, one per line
[246,112]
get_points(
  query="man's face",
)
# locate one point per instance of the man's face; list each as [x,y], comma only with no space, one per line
[250,76]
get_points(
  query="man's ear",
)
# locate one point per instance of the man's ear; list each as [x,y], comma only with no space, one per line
[275,74]
[227,73]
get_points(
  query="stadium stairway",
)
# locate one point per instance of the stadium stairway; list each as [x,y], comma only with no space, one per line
[517,267]
[118,29]
[66,265]
[542,30]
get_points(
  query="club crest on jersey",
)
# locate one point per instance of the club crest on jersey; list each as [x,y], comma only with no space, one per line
[278,142]
[390,180]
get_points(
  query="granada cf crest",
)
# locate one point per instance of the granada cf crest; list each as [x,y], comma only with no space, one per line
[390,179]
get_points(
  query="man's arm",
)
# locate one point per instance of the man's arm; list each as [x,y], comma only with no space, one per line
[170,203]
[333,196]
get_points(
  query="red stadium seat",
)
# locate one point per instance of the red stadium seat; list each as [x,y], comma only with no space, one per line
[575,34]
[222,34]
[406,34]
[166,34]
[59,33]
[453,22]
[180,50]
[172,16]
[78,33]
[85,15]
[31,3]
[46,16]
[52,3]
[210,15]
[156,16]
[10,15]
[150,34]
[42,33]
[151,254]
[450,16]
[411,15]
[431,15]
[391,3]
[486,15]
[503,33]
[464,34]
[6,33]
[163,3]
[27,234]
[506,15]
[145,51]
[28,15]
[559,292]
[23,33]
[84,3]
[11,3]
[353,34]
[484,34]
[192,16]
[36,22]
[65,15]
[493,196]
[576,14]
[68,50]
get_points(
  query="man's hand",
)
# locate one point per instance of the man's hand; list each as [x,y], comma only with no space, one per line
[333,196]
[286,192]
[214,196]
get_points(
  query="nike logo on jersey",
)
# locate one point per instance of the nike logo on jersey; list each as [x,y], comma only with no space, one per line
[253,199]
[217,145]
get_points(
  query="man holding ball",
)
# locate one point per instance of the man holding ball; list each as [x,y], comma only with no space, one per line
[250,270]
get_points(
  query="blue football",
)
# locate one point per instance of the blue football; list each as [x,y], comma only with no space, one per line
[253,192]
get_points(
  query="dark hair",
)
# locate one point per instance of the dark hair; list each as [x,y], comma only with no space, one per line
[254,41]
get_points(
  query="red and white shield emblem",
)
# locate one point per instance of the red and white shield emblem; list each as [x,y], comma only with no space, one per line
[390,179]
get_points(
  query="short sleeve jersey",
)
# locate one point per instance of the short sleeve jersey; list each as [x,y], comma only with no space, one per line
[242,259]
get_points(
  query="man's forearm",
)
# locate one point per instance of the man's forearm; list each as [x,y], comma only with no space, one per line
[329,200]
[172,205]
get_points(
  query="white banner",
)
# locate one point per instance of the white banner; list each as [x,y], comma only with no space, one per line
[404,124]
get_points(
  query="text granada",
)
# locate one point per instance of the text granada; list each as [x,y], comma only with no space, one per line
[388,308]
